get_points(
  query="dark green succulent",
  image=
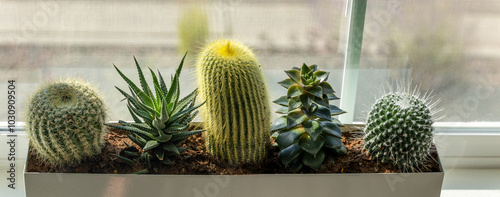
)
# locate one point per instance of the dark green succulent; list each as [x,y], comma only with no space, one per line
[307,129]
[165,117]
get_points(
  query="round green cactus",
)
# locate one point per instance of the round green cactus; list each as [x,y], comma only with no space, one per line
[236,112]
[399,130]
[65,121]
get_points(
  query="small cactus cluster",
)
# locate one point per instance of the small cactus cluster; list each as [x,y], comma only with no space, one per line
[65,121]
[307,130]
[399,129]
[237,112]
[165,117]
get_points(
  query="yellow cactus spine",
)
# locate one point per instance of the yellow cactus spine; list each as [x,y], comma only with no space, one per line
[236,112]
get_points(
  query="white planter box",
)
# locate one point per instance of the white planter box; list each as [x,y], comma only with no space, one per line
[276,185]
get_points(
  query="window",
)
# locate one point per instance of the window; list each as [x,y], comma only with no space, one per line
[49,39]
[447,47]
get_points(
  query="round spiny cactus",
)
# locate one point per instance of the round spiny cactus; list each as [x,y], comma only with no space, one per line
[399,129]
[65,121]
[236,112]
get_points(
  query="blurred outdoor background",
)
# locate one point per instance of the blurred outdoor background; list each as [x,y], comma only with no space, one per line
[450,47]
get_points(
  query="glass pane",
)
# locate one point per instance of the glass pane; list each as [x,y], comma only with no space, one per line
[448,47]
[40,40]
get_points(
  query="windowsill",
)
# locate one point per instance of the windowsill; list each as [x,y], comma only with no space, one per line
[458,182]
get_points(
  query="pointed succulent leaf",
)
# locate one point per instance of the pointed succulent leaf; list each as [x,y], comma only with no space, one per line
[148,102]
[295,118]
[125,160]
[294,75]
[184,113]
[313,161]
[141,126]
[309,112]
[189,118]
[316,91]
[323,113]
[186,101]
[143,114]
[159,153]
[158,124]
[332,97]
[311,146]
[323,102]
[163,86]
[287,83]
[147,159]
[133,130]
[294,90]
[134,117]
[144,83]
[181,136]
[327,88]
[283,101]
[290,153]
[164,117]
[129,97]
[279,124]
[129,82]
[156,83]
[334,110]
[177,127]
[135,140]
[141,140]
[286,139]
[305,70]
[332,142]
[331,128]
[313,67]
[170,148]
[173,93]
[159,97]
[337,122]
[306,100]
[282,110]
[313,128]
[294,103]
[163,137]
[321,75]
[150,145]
[295,68]
[131,153]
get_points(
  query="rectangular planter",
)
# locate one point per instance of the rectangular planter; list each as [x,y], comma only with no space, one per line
[276,185]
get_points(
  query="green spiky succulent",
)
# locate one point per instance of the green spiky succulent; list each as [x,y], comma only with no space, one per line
[165,117]
[65,121]
[307,130]
[399,130]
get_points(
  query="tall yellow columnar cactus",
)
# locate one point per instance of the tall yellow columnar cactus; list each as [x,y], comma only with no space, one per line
[236,112]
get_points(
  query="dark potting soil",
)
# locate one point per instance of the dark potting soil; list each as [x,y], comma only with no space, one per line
[195,160]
